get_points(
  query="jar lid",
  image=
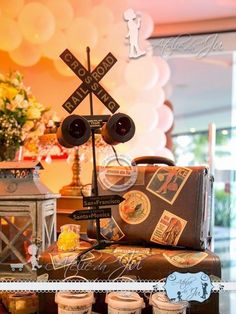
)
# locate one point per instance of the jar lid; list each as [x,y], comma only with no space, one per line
[161,301]
[129,301]
[74,299]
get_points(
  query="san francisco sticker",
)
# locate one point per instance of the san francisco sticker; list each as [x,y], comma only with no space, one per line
[168,229]
[184,259]
[110,229]
[167,182]
[135,208]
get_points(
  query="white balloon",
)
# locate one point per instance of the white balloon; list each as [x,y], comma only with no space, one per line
[147,25]
[146,46]
[80,34]
[117,41]
[103,18]
[166,118]
[164,70]
[141,73]
[168,89]
[11,8]
[55,46]
[140,151]
[156,139]
[62,11]
[26,54]
[165,152]
[115,75]
[145,117]
[10,36]
[154,96]
[125,96]
[117,7]
[36,23]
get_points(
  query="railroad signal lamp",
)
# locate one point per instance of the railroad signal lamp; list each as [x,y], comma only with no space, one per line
[75,130]
[119,128]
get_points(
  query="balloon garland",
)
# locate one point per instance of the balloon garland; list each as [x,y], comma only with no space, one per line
[30,30]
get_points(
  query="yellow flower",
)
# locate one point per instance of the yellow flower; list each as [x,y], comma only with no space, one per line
[33,113]
[10,92]
[28,126]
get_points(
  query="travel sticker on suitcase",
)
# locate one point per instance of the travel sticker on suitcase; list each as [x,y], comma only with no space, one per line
[168,229]
[135,208]
[167,182]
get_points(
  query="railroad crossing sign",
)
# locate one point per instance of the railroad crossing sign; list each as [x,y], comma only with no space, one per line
[90,82]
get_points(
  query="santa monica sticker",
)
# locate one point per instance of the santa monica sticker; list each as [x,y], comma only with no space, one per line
[188,287]
[135,208]
[167,182]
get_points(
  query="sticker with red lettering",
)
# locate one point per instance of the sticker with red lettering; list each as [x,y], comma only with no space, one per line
[167,182]
[168,229]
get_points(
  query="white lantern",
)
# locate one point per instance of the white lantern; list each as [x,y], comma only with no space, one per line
[27,218]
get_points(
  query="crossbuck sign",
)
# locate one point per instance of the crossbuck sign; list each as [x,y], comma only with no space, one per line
[90,82]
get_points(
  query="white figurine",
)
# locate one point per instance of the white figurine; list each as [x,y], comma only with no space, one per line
[133,27]
[32,250]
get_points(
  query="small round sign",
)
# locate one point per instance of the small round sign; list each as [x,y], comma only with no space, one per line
[117,178]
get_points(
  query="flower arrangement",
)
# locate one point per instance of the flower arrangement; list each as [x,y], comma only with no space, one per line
[21,115]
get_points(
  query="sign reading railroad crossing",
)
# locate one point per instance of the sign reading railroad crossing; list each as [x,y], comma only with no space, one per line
[90,82]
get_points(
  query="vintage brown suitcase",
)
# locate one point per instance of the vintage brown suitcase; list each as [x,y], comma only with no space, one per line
[139,263]
[164,205]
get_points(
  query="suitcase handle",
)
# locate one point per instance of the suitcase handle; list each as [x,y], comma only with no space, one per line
[153,160]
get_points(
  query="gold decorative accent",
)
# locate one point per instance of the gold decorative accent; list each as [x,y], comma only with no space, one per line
[75,187]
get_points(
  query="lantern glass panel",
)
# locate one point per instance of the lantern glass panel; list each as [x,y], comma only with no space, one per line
[15,237]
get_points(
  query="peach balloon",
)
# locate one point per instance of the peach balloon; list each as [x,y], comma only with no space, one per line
[11,8]
[62,11]
[101,49]
[80,34]
[103,19]
[10,36]
[81,8]
[26,54]
[55,46]
[62,68]
[36,23]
